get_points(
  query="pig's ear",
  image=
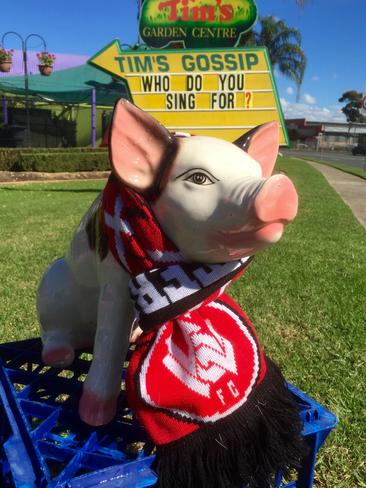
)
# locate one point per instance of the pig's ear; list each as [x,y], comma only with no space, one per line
[262,143]
[139,148]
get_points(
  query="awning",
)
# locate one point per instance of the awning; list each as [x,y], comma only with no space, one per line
[69,86]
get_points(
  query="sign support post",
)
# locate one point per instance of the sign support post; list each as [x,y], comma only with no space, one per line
[363,112]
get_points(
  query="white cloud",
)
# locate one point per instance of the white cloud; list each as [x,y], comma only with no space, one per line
[290,90]
[331,113]
[315,78]
[309,99]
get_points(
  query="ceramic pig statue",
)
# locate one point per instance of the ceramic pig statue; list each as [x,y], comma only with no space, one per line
[177,221]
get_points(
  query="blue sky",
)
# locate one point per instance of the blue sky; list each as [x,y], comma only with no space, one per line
[333,34]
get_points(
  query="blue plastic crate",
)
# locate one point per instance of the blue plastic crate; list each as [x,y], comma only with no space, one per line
[43,443]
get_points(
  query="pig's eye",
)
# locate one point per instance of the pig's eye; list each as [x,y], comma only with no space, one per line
[200,177]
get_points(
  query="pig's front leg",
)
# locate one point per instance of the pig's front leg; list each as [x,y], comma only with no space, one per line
[115,317]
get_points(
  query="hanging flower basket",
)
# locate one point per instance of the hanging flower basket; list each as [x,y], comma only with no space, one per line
[5,66]
[46,61]
[45,70]
[6,59]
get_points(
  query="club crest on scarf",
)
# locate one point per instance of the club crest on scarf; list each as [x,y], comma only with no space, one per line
[201,355]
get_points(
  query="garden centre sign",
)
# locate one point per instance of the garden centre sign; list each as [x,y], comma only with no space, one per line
[196,23]
[216,92]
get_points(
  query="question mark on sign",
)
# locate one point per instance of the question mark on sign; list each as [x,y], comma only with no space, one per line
[248,99]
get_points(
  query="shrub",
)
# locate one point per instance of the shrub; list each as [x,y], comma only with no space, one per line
[53,161]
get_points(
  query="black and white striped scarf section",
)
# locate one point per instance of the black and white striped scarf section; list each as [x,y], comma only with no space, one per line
[162,294]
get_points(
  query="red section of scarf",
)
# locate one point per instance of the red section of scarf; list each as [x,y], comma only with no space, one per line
[136,237]
[196,369]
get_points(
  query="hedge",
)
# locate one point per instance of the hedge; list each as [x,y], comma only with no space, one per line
[55,160]
[52,149]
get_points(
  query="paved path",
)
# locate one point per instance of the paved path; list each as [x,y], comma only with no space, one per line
[351,188]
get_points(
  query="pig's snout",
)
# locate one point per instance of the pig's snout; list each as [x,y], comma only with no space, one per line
[276,201]
[274,207]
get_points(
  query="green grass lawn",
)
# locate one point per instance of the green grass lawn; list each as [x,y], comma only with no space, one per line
[306,296]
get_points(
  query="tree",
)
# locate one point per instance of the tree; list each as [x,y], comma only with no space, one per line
[283,44]
[352,109]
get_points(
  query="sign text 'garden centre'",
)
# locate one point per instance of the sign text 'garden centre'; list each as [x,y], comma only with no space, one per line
[217,92]
[196,23]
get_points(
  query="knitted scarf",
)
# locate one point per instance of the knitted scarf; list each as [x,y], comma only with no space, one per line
[217,409]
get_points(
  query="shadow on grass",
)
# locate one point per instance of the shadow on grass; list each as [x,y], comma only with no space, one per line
[62,190]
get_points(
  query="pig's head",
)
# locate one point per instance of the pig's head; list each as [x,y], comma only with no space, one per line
[215,200]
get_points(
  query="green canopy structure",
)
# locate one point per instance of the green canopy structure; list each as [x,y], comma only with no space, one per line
[83,86]
[70,86]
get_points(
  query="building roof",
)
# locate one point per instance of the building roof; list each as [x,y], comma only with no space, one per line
[334,127]
[69,86]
